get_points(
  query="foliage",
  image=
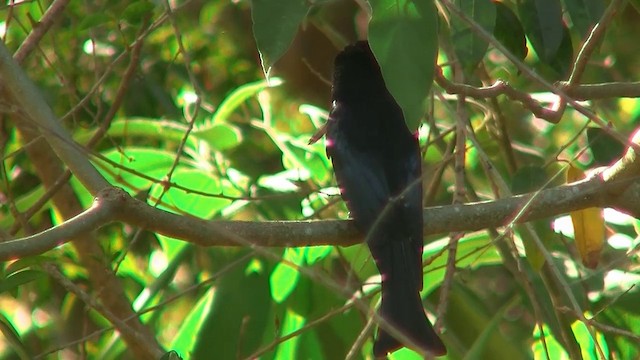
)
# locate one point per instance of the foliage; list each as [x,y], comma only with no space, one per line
[173,106]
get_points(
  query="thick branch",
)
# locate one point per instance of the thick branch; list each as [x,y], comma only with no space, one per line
[115,205]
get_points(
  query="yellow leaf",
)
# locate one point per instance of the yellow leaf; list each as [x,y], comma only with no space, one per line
[588,227]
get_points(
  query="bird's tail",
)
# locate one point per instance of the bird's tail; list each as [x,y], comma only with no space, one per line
[402,308]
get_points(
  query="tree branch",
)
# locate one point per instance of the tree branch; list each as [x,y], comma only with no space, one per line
[115,205]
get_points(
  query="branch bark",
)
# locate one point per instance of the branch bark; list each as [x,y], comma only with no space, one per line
[115,205]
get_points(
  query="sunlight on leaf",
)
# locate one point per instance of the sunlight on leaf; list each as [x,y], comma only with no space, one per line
[292,322]
[184,342]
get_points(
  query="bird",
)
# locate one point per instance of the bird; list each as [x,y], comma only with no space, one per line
[378,168]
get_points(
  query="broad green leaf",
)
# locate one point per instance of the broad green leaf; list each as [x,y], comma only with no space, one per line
[584,14]
[93,21]
[316,253]
[132,161]
[509,31]
[22,204]
[542,20]
[562,62]
[143,127]
[135,12]
[240,314]
[284,277]
[469,47]
[187,334]
[528,178]
[198,205]
[584,338]
[275,24]
[288,349]
[19,278]
[240,95]
[605,148]
[283,280]
[403,35]
[219,136]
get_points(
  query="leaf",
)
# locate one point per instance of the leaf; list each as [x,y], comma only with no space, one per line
[240,95]
[291,323]
[12,338]
[605,148]
[403,35]
[588,227]
[135,12]
[284,277]
[219,136]
[316,253]
[186,337]
[275,24]
[469,47]
[199,205]
[93,21]
[529,179]
[561,63]
[19,278]
[240,314]
[148,128]
[542,20]
[141,160]
[509,32]
[584,14]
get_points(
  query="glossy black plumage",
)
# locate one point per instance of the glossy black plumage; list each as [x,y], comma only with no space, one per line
[377,164]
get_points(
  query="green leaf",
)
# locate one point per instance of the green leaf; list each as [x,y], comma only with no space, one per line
[275,24]
[469,47]
[93,21]
[316,253]
[283,280]
[561,63]
[284,277]
[509,32]
[288,349]
[133,161]
[542,20]
[219,136]
[240,95]
[605,148]
[199,205]
[185,340]
[528,178]
[12,337]
[239,316]
[584,14]
[403,35]
[19,278]
[135,12]
[143,127]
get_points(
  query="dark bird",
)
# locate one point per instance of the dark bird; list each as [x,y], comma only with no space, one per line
[377,163]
